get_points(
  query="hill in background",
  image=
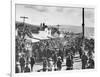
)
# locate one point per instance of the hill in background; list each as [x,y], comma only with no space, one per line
[89,31]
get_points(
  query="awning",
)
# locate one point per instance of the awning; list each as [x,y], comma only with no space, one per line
[32,40]
[40,36]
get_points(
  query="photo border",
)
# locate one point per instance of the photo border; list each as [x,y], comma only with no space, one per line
[13,14]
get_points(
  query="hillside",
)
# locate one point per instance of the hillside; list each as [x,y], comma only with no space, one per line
[89,31]
[33,28]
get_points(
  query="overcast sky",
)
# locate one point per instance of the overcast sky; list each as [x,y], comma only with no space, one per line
[54,15]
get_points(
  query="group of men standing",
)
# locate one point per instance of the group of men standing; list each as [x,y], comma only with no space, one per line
[56,63]
[50,64]
[25,64]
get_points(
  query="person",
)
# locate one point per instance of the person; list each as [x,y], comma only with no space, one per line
[80,52]
[84,61]
[50,64]
[69,62]
[32,62]
[27,69]
[59,63]
[17,69]
[90,63]
[60,54]
[44,65]
[22,63]
[55,60]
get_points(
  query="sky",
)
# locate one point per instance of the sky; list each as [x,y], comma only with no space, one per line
[54,15]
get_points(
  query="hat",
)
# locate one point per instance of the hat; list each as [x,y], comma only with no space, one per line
[59,57]
[17,63]
[50,59]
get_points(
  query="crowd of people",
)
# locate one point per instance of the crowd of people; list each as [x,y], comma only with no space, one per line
[53,63]
[53,60]
[56,62]
[25,64]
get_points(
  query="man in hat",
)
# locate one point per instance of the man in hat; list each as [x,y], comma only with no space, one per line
[32,62]
[44,64]
[55,60]
[59,63]
[69,62]
[22,63]
[84,61]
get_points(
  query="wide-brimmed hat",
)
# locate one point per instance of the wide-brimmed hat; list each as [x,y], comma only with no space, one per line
[59,57]
[50,59]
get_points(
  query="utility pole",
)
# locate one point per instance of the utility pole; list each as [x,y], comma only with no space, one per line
[23,32]
[83,23]
[24,18]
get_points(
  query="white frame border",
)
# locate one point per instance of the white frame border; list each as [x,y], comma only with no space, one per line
[32,2]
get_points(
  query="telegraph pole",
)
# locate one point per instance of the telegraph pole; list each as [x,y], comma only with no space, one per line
[23,32]
[83,23]
[24,18]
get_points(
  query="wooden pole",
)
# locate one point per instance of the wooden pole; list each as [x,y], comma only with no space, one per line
[24,18]
[23,33]
[83,23]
